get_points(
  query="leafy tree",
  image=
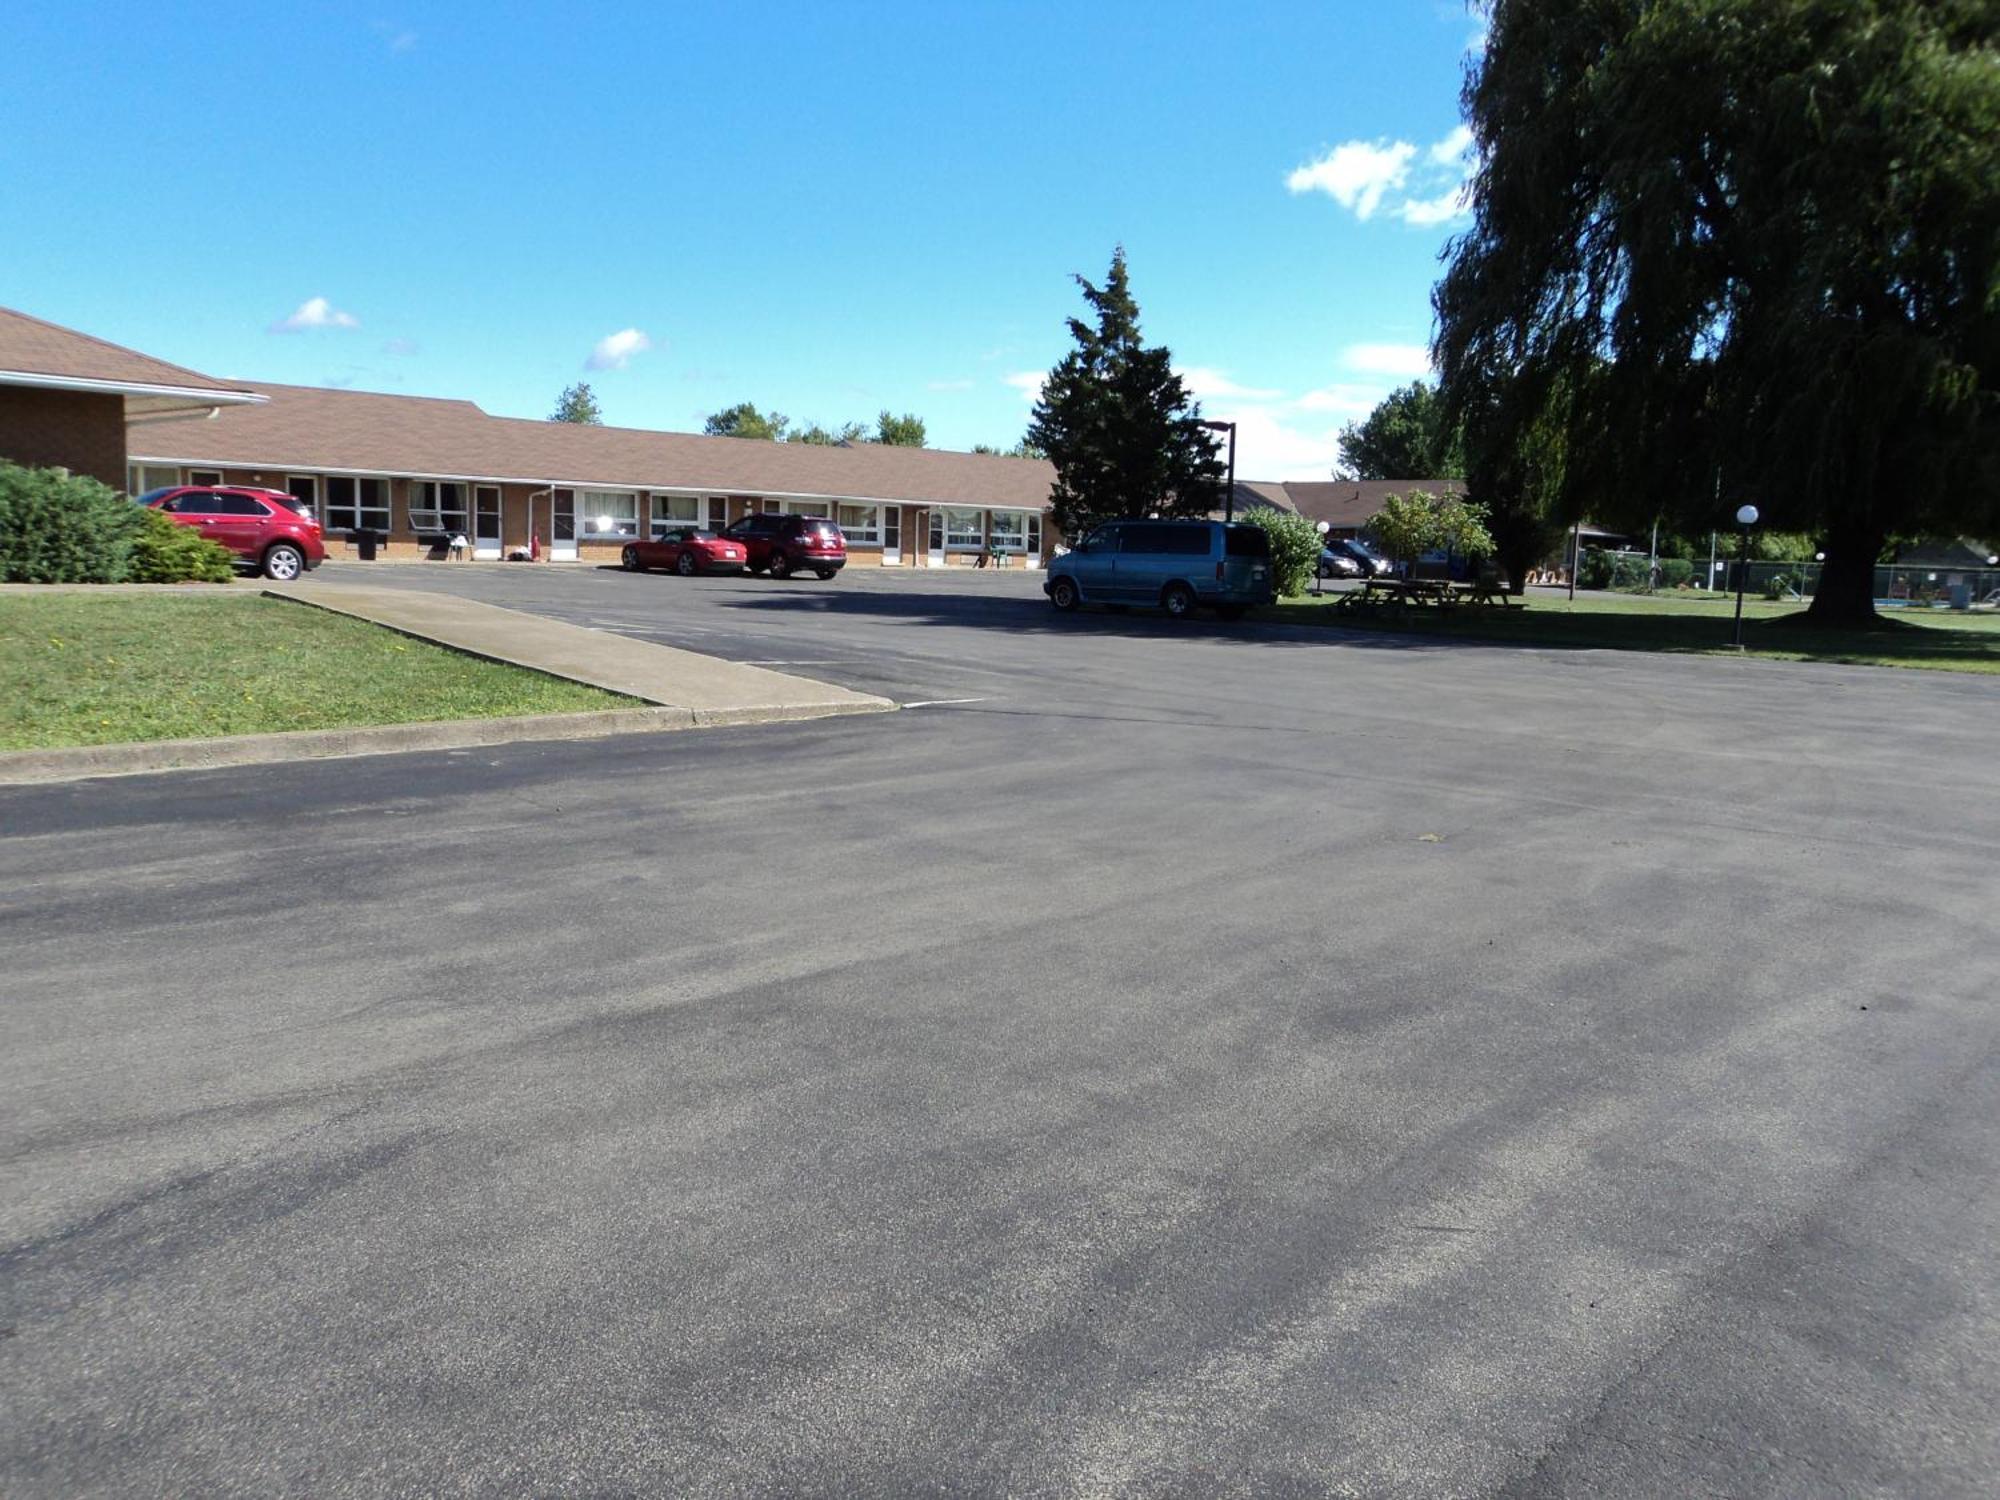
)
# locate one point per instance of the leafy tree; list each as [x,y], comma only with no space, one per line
[1124,435]
[1406,436]
[743,420]
[1022,449]
[1736,250]
[847,433]
[1409,525]
[1295,546]
[906,431]
[578,403]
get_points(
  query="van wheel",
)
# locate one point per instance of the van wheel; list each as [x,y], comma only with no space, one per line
[1063,594]
[284,562]
[1177,599]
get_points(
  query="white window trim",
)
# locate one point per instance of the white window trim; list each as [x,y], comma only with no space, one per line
[435,517]
[658,522]
[963,541]
[587,511]
[357,510]
[869,535]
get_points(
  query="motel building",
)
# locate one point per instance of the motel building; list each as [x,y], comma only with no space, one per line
[410,472]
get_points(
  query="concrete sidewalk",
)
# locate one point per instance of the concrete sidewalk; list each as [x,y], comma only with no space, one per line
[713,690]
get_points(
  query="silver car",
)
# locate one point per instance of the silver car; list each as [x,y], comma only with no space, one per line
[1177,565]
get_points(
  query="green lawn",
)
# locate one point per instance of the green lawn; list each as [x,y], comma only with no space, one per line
[78,668]
[1690,621]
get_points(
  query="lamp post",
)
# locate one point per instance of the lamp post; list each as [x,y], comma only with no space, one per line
[1319,563]
[1229,496]
[1746,517]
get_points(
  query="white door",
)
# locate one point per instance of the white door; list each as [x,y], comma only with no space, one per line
[892,536]
[562,526]
[936,558]
[486,521]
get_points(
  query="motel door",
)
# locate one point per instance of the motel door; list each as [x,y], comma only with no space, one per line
[936,558]
[892,535]
[562,526]
[486,522]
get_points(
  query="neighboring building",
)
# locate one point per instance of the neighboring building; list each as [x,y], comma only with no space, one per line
[1348,505]
[73,402]
[415,470]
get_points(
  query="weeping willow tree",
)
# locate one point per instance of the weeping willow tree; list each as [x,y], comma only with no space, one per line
[1729,251]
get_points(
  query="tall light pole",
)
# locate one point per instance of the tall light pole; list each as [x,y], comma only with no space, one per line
[1746,517]
[1319,564]
[1229,498]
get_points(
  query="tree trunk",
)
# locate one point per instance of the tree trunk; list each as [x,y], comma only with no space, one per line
[1845,598]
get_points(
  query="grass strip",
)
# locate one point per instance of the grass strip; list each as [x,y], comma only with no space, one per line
[84,669]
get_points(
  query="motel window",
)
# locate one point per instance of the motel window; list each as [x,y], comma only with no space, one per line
[675,510]
[860,523]
[718,512]
[806,508]
[304,489]
[145,478]
[204,476]
[437,505]
[964,528]
[1009,535]
[352,503]
[608,512]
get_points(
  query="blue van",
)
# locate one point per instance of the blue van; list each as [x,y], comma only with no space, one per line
[1174,564]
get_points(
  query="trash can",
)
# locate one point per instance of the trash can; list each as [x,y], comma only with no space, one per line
[364,543]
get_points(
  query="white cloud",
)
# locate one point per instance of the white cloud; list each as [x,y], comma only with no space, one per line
[1350,401]
[1402,361]
[1028,383]
[1212,385]
[315,312]
[1356,174]
[1273,443]
[1451,151]
[615,350]
[1422,188]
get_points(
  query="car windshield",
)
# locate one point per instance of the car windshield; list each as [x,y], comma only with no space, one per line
[694,536]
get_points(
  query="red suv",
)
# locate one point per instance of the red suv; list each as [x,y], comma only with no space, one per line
[790,544]
[269,530]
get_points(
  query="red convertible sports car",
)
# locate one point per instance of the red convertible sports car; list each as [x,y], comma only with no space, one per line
[687,551]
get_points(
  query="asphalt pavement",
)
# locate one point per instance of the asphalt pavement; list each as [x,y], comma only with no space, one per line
[1199,1060]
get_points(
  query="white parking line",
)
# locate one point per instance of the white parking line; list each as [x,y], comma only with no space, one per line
[943,702]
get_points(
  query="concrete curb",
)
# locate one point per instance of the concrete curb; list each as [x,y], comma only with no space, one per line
[82,762]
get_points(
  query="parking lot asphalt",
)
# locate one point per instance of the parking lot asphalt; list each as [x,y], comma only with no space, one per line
[1214,1061]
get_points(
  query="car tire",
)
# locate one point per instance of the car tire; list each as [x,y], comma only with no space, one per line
[685,567]
[283,562]
[824,573]
[629,559]
[1063,594]
[1177,599]
[781,565]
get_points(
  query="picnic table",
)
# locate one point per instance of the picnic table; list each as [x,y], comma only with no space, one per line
[1436,592]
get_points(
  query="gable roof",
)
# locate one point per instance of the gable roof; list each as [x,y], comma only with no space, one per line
[46,355]
[312,429]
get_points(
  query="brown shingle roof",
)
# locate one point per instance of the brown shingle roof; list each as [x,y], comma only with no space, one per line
[30,346]
[1348,504]
[310,429]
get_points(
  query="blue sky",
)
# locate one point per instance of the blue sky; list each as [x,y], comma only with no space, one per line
[823,208]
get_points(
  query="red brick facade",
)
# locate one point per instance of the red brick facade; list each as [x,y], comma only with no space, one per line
[72,430]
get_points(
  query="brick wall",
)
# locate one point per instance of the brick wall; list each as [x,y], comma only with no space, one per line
[74,430]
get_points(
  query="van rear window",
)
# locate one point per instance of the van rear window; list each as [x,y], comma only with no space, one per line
[1245,541]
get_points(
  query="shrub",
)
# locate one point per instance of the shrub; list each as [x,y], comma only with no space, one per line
[1676,572]
[1295,547]
[1410,525]
[1594,570]
[63,528]
[167,553]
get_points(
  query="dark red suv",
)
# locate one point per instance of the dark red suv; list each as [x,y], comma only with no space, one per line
[268,530]
[785,545]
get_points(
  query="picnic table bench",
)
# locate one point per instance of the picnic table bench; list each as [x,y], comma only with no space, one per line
[1428,586]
